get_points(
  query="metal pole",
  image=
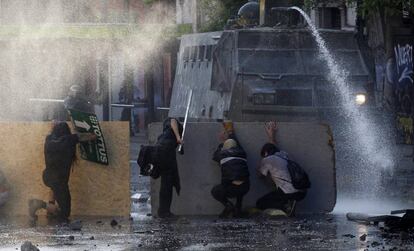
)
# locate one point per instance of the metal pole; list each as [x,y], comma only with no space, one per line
[109,87]
[46,100]
[262,7]
[185,120]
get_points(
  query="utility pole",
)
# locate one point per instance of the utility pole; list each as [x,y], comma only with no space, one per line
[262,6]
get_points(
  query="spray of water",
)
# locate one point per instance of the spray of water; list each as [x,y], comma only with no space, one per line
[52,45]
[374,154]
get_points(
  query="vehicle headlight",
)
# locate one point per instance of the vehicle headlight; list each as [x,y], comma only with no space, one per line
[360,99]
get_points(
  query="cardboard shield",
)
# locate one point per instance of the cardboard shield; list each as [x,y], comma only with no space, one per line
[88,122]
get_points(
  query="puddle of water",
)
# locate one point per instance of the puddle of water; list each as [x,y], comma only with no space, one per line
[346,205]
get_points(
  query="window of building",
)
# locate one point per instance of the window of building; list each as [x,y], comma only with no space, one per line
[329,18]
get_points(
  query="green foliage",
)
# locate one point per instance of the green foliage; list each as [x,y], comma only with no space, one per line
[218,12]
[184,29]
[366,7]
[316,3]
[392,7]
[148,1]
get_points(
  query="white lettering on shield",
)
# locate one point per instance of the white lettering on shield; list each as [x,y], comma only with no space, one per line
[99,141]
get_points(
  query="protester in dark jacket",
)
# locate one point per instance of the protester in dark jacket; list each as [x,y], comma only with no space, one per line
[234,175]
[166,157]
[60,154]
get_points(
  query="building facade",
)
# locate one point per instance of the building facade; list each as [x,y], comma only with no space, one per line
[341,16]
[116,50]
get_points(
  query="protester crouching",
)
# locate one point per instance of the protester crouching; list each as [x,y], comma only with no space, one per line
[275,164]
[234,173]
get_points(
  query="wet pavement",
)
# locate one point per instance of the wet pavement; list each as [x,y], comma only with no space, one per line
[143,232]
[321,232]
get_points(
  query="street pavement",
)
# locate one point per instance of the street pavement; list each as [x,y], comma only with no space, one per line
[315,232]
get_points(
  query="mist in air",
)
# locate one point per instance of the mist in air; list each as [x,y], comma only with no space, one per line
[50,45]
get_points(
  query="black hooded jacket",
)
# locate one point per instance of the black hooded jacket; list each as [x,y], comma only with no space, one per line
[166,152]
[233,163]
[59,155]
[167,137]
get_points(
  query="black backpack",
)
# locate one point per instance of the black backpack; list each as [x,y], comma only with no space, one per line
[146,161]
[300,179]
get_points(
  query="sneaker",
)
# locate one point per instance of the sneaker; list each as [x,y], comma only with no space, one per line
[289,208]
[75,225]
[34,205]
[238,213]
[51,216]
[168,215]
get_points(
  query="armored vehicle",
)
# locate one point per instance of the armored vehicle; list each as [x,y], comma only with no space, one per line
[253,74]
[262,73]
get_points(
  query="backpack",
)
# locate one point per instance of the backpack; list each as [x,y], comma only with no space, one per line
[146,161]
[300,179]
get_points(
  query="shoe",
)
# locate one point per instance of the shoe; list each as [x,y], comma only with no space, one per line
[238,213]
[75,225]
[289,208]
[253,212]
[227,212]
[51,216]
[168,215]
[34,205]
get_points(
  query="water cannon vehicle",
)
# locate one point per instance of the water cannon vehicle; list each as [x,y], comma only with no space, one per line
[265,66]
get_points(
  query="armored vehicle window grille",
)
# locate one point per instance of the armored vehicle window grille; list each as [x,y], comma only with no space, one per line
[313,64]
[264,99]
[284,97]
[294,97]
[193,53]
[201,52]
[186,54]
[349,60]
[269,61]
[327,98]
[209,52]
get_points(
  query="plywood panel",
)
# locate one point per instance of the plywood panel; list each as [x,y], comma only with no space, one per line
[95,189]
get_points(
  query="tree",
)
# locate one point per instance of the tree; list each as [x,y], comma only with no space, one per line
[367,7]
[218,12]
